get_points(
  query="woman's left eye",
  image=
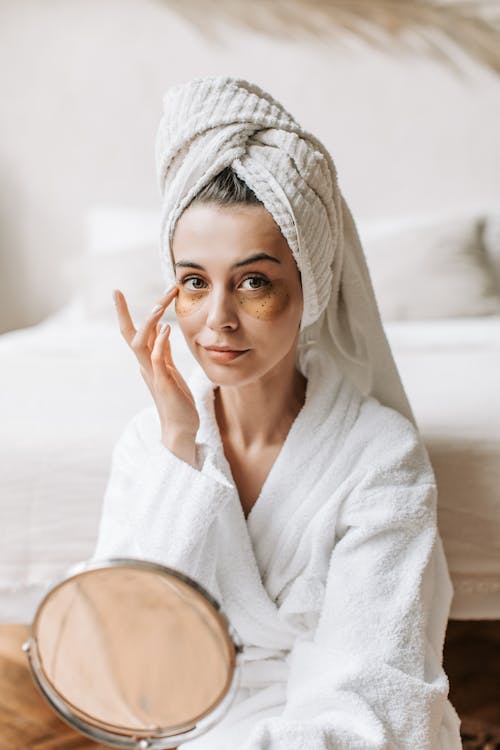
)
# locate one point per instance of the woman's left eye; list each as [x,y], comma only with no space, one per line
[263,282]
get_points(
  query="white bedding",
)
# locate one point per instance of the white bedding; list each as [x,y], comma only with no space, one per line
[69,387]
[451,372]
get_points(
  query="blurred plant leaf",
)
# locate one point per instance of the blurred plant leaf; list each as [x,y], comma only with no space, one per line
[391,26]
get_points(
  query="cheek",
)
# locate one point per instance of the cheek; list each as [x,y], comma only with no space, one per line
[268,304]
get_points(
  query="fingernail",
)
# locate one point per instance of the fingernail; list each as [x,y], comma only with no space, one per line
[114,295]
[170,289]
[156,309]
[164,328]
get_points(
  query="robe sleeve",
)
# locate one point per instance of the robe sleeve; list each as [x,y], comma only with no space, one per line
[370,676]
[160,508]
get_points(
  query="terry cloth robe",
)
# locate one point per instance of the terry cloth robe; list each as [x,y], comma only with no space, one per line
[336,582]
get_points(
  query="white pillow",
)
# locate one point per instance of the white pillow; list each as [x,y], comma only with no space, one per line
[430,267]
[122,252]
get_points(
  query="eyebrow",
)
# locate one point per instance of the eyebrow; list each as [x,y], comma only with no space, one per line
[246,262]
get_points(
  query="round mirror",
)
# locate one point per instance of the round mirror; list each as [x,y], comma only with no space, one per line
[134,654]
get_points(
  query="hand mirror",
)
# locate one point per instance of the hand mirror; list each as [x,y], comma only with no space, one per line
[134,654]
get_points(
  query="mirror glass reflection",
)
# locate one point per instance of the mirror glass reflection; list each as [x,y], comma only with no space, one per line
[133,649]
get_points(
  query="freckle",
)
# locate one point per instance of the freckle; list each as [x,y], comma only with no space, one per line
[270,304]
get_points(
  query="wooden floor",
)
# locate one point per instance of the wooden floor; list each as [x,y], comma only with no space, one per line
[472,663]
[26,720]
[471,660]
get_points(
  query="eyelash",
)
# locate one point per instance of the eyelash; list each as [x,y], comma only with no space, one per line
[250,276]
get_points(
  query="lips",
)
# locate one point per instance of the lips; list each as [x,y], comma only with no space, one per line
[223,349]
[225,355]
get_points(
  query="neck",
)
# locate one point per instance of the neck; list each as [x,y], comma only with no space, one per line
[260,413]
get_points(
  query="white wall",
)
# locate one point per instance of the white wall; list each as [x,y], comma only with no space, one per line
[81,84]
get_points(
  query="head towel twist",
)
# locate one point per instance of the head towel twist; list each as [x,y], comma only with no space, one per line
[215,122]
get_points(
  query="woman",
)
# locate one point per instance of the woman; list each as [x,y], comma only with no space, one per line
[287,475]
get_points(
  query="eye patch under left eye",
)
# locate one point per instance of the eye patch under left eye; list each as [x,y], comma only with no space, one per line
[267,305]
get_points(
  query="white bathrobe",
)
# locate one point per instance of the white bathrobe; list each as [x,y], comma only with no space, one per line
[336,583]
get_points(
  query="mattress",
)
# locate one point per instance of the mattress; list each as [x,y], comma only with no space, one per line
[451,373]
[71,385]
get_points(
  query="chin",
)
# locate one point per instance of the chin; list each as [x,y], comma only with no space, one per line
[228,377]
[219,377]
[225,373]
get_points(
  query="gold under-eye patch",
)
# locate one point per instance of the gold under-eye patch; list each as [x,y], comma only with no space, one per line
[266,303]
[187,303]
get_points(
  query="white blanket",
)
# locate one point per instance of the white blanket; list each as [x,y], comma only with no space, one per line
[336,583]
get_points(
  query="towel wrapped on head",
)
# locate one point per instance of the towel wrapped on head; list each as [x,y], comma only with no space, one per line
[211,123]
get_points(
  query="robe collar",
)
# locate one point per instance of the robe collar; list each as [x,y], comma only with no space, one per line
[269,534]
[328,392]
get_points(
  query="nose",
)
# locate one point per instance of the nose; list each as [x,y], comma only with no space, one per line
[222,311]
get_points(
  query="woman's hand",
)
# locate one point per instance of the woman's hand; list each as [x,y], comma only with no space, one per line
[174,401]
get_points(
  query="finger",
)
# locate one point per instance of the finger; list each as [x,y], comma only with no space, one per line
[143,333]
[161,366]
[129,331]
[153,335]
[169,294]
[167,351]
[170,369]
[169,363]
[142,341]
[127,327]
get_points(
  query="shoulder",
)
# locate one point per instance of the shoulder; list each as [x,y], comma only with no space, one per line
[392,482]
[388,446]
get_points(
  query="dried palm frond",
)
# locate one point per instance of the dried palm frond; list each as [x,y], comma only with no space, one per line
[425,26]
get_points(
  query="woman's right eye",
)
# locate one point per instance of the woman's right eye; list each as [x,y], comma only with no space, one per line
[193,278]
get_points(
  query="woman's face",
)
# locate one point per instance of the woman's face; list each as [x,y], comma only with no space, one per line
[229,297]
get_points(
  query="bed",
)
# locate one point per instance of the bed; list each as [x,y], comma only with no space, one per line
[70,384]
